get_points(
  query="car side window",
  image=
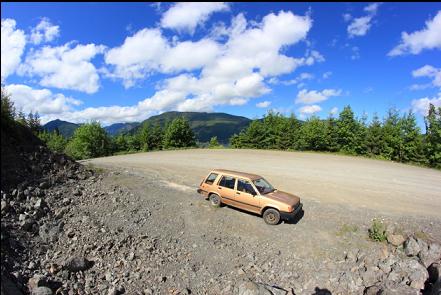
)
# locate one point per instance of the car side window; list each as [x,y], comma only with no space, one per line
[245,186]
[211,178]
[227,181]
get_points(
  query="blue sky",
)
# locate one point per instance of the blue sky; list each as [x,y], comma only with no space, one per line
[118,62]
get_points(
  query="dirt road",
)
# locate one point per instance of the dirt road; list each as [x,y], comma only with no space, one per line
[210,250]
[385,187]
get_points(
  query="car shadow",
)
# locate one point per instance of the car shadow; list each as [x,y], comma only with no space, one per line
[324,291]
[292,220]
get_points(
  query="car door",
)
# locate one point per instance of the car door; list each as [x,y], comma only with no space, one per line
[246,196]
[226,188]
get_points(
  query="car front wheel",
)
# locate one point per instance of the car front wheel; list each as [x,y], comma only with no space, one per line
[271,216]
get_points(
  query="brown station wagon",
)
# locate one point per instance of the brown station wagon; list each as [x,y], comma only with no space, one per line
[249,192]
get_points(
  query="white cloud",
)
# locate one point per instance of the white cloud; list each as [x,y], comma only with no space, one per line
[313,96]
[263,104]
[65,67]
[311,109]
[334,111]
[347,17]
[138,56]
[355,53]
[372,8]
[431,72]
[13,42]
[45,31]
[190,55]
[361,25]
[301,77]
[42,101]
[427,38]
[420,86]
[231,72]
[186,16]
[327,75]
[421,105]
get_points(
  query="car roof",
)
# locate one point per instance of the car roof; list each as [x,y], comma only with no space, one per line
[237,173]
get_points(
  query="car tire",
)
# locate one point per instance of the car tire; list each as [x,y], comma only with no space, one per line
[215,200]
[271,216]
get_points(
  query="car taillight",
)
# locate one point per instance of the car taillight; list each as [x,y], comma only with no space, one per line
[201,182]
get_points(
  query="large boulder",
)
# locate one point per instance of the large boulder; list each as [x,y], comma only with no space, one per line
[76,263]
[395,240]
[252,288]
[430,254]
[411,247]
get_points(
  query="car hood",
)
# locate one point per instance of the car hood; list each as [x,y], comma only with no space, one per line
[284,197]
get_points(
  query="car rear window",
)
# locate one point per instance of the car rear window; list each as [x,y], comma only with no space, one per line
[227,181]
[211,178]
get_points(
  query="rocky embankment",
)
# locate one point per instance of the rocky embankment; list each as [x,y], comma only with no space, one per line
[68,230]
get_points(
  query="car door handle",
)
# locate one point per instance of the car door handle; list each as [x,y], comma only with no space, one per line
[219,187]
[237,193]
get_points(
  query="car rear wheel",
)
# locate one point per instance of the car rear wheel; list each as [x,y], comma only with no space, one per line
[271,216]
[215,200]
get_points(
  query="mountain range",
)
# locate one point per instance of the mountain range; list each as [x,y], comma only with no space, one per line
[204,125]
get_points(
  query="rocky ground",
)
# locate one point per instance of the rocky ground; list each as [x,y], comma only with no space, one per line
[113,231]
[73,229]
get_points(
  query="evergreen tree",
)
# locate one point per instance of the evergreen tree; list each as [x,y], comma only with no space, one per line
[360,144]
[433,136]
[178,134]
[374,137]
[347,127]
[214,143]
[412,147]
[314,134]
[393,140]
[331,134]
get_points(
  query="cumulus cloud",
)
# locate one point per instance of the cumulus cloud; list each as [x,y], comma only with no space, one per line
[186,16]
[421,105]
[308,110]
[42,101]
[13,42]
[361,25]
[313,96]
[430,72]
[263,104]
[333,111]
[65,67]
[230,72]
[427,38]
[298,79]
[45,31]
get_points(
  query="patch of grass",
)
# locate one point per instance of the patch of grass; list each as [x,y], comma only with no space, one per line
[92,167]
[421,235]
[346,229]
[377,231]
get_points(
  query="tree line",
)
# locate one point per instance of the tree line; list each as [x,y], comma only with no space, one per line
[396,137]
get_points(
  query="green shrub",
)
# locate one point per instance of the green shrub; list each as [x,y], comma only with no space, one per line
[377,232]
[89,141]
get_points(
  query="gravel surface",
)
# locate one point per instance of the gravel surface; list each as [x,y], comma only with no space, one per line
[383,186]
[139,227]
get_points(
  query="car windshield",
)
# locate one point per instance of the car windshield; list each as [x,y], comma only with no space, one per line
[263,186]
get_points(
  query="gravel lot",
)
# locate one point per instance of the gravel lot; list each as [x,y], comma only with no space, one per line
[352,182]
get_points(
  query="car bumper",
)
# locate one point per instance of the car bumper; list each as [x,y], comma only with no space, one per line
[290,215]
[202,192]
